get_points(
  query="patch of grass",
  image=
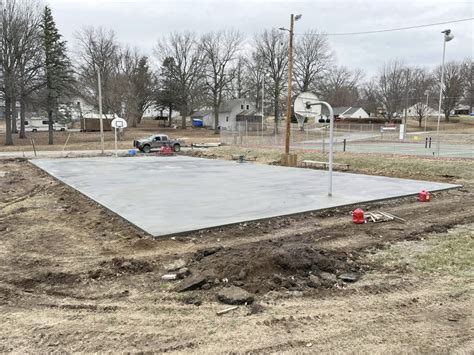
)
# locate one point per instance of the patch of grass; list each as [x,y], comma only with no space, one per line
[450,254]
[396,166]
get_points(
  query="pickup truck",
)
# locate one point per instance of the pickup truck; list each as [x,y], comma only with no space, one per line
[157,141]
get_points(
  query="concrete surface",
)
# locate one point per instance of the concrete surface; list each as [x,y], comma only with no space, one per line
[167,195]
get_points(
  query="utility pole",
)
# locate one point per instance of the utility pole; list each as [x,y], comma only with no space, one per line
[263,100]
[287,159]
[447,36]
[427,93]
[100,112]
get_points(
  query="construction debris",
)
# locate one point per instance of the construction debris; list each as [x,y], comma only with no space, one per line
[227,310]
[379,216]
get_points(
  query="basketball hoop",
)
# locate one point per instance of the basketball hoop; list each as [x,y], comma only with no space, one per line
[300,119]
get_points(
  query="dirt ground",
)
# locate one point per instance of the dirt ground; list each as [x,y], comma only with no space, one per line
[75,277]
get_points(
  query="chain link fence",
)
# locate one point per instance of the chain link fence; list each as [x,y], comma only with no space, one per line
[350,137]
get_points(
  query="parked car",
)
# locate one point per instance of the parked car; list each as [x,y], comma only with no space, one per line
[41,124]
[157,141]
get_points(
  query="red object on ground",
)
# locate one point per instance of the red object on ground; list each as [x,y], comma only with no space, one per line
[358,216]
[424,196]
[166,150]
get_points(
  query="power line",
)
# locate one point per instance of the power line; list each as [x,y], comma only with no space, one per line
[388,30]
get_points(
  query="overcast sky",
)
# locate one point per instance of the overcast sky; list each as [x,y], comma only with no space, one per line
[141,22]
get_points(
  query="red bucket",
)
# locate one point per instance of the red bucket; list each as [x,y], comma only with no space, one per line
[358,216]
[424,196]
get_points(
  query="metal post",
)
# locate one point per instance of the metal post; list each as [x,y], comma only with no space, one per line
[100,112]
[406,103]
[331,138]
[427,108]
[440,97]
[115,133]
[263,101]
[290,76]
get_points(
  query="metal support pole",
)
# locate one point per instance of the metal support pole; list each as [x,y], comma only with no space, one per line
[263,102]
[115,134]
[100,112]
[441,84]
[427,109]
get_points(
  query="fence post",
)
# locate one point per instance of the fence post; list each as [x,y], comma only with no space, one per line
[344,146]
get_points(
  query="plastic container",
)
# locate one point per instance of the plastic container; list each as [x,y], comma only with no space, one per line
[358,216]
[197,122]
[424,196]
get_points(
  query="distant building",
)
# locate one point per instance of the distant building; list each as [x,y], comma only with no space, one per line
[461,110]
[347,112]
[206,116]
[229,110]
[413,111]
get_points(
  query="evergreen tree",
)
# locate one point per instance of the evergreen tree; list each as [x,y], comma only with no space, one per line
[57,67]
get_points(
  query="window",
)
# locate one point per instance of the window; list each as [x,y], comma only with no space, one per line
[248,106]
[164,138]
[241,107]
[26,123]
[157,139]
[45,122]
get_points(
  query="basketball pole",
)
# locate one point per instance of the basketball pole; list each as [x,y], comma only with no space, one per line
[331,138]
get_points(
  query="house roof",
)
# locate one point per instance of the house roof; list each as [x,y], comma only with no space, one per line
[342,110]
[249,113]
[228,105]
[200,114]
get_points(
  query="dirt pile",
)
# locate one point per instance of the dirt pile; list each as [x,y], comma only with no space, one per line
[120,266]
[268,265]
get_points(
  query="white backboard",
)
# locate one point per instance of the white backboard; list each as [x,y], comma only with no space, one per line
[118,123]
[303,108]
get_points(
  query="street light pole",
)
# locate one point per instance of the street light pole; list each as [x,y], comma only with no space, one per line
[446,38]
[100,112]
[263,99]
[290,77]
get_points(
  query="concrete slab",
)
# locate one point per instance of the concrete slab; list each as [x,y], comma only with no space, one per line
[167,195]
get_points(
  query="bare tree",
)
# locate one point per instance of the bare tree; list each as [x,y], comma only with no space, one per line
[452,86]
[187,70]
[138,84]
[340,86]
[468,75]
[272,48]
[98,50]
[312,59]
[421,81]
[20,38]
[391,87]
[255,71]
[220,51]
[370,98]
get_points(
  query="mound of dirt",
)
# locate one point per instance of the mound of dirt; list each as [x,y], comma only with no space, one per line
[48,279]
[267,265]
[120,266]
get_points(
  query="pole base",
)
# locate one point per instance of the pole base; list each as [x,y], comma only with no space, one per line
[289,160]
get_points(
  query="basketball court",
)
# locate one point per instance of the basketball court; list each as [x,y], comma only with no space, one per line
[168,195]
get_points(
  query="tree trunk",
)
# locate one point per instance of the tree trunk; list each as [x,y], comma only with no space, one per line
[169,115]
[22,116]
[216,117]
[276,110]
[50,127]
[183,117]
[14,116]
[8,123]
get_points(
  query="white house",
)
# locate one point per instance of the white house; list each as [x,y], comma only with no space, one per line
[229,110]
[351,112]
[413,111]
